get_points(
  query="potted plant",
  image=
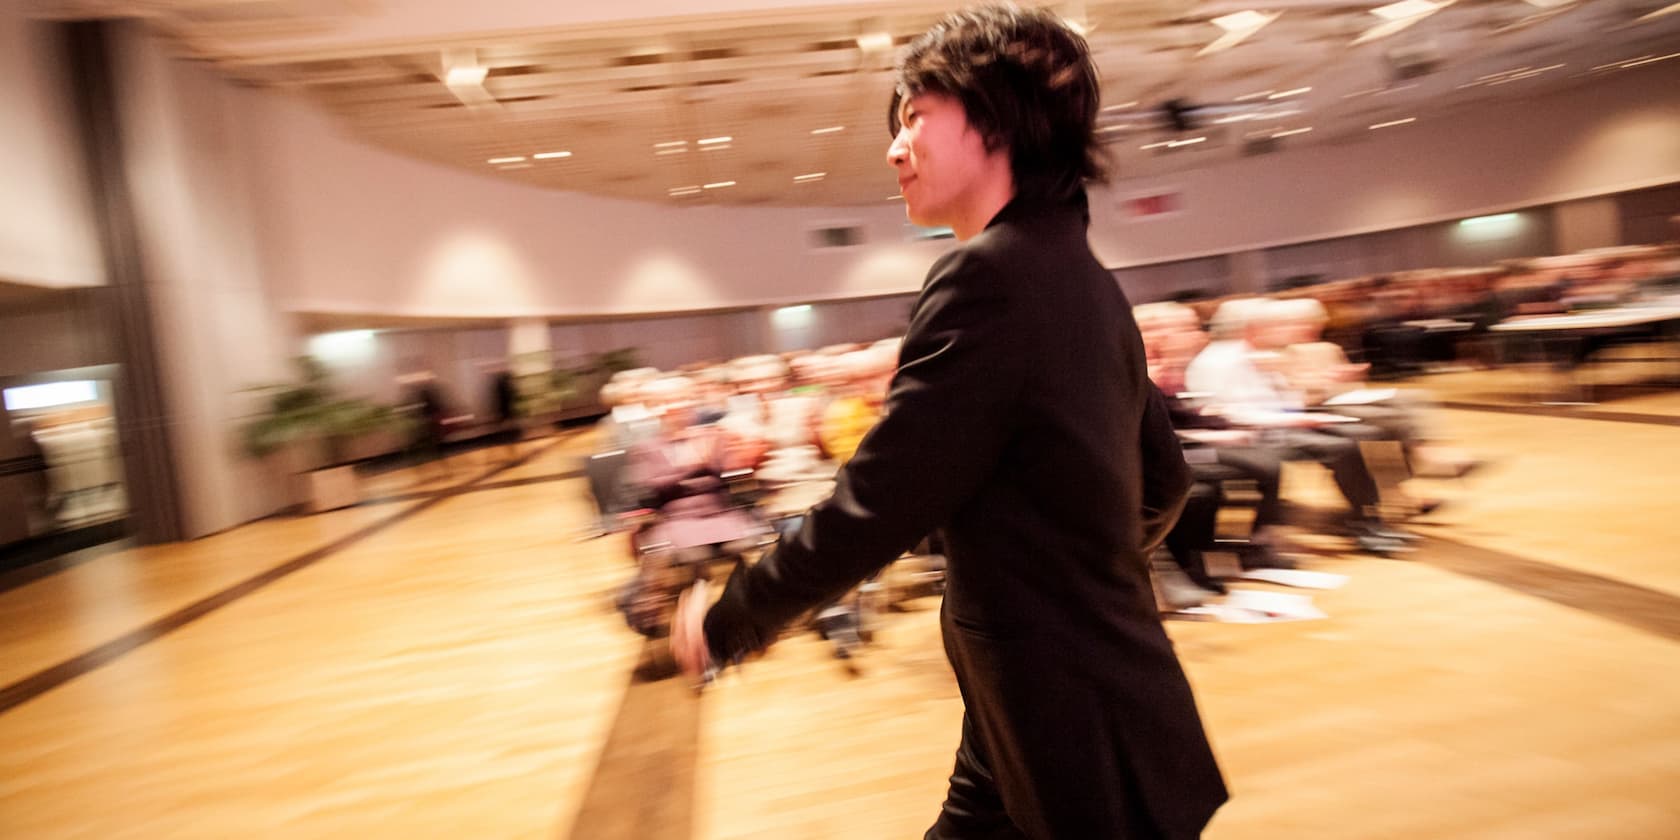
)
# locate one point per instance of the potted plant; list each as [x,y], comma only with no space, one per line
[317,427]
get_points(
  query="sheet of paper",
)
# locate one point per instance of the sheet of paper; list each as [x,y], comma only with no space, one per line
[1248,606]
[1363,396]
[1298,578]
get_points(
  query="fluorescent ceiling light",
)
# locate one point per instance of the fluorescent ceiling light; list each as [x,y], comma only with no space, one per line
[1407,9]
[1259,94]
[670,144]
[1242,21]
[1190,142]
[1548,4]
[1398,17]
[718,185]
[833,129]
[1292,132]
[509,159]
[713,141]
[895,197]
[1393,123]
[551,155]
[465,76]
[875,41]
[671,152]
[1288,93]
[693,189]
[810,176]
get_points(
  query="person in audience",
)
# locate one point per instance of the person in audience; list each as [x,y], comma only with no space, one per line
[1020,420]
[1228,379]
[1318,370]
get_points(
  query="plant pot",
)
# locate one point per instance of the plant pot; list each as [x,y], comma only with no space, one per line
[330,489]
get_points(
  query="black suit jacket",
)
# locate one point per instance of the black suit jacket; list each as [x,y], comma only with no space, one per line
[1022,423]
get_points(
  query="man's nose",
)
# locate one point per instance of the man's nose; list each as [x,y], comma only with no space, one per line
[899,150]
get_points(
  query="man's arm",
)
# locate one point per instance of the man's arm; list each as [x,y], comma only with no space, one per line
[950,412]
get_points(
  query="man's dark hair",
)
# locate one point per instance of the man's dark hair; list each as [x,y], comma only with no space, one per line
[1026,83]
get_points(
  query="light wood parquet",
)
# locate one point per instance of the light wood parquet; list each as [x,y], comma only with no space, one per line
[461,673]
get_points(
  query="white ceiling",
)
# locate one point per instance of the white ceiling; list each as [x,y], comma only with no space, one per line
[767,73]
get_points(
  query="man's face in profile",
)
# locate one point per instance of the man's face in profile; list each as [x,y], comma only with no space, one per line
[939,157]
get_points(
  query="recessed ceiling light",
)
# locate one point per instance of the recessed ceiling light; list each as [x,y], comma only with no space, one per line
[713,141]
[718,185]
[509,159]
[551,155]
[1406,9]
[875,41]
[1393,123]
[833,129]
[465,76]
[1242,21]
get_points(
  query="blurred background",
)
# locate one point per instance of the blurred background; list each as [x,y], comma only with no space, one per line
[342,345]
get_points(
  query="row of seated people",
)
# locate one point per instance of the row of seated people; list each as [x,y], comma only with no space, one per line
[1250,393]
[786,423]
[1403,322]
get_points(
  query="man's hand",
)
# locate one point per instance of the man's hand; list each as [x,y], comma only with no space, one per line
[688,631]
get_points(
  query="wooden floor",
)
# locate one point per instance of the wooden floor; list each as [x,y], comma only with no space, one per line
[446,663]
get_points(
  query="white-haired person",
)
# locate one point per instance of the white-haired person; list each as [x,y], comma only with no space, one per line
[1319,370]
[1230,377]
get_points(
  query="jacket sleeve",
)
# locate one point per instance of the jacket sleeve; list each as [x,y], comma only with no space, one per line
[949,413]
[1166,477]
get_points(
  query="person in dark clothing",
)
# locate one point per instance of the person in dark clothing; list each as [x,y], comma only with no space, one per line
[1021,422]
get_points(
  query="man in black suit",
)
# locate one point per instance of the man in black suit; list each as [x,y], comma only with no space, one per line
[1022,423]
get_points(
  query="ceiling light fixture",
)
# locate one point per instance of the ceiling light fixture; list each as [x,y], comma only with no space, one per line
[692,189]
[895,198]
[551,155]
[1288,93]
[718,185]
[1259,94]
[1291,132]
[1393,123]
[871,42]
[465,76]
[809,177]
[1239,27]
[713,141]
[833,129]
[1398,17]
[498,161]
[1190,142]
[1407,9]
[671,152]
[670,144]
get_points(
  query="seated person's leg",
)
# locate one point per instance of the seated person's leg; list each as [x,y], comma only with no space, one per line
[1194,532]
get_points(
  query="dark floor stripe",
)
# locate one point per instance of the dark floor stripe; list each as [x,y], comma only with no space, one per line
[53,553]
[477,488]
[643,785]
[1565,412]
[1650,610]
[48,679]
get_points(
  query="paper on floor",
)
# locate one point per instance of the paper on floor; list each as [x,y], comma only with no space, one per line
[1298,578]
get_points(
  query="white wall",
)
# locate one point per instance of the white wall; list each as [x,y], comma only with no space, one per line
[47,237]
[1616,134]
[358,229]
[186,142]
